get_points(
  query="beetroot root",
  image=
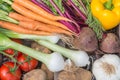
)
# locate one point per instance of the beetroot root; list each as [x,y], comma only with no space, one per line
[86,41]
[110,44]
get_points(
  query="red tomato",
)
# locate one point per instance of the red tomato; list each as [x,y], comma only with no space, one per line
[9,51]
[28,63]
[7,74]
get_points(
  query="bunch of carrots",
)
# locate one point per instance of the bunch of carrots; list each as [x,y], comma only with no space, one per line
[32,19]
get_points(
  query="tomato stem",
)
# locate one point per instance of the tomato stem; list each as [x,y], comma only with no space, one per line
[10,56]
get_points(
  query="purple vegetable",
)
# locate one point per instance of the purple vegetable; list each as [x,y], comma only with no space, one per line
[69,25]
[78,10]
[42,5]
[78,20]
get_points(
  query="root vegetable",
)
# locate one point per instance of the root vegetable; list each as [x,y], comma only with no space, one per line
[110,44]
[49,74]
[71,72]
[86,41]
[36,74]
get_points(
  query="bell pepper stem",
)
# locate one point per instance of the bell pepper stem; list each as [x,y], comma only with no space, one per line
[108,5]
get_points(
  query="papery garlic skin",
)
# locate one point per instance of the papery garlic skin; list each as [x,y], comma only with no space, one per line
[107,67]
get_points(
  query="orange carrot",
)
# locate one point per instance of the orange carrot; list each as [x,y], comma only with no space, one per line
[43,27]
[28,4]
[19,29]
[26,12]
[34,25]
[19,17]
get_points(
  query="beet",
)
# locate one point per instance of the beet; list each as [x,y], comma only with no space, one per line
[110,44]
[86,40]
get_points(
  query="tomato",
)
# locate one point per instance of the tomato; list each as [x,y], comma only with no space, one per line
[27,63]
[9,51]
[12,51]
[6,72]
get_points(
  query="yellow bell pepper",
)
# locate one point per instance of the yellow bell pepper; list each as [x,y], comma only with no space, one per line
[107,12]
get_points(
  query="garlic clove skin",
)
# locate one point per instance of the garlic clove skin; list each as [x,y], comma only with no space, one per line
[107,67]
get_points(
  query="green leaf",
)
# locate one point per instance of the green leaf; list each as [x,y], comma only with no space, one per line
[6,7]
[58,3]
[93,22]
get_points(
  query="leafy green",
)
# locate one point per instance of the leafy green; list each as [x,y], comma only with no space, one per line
[58,3]
[94,22]
[77,3]
[5,17]
[6,7]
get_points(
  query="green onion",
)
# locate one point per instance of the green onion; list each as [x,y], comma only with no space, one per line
[80,58]
[12,34]
[54,61]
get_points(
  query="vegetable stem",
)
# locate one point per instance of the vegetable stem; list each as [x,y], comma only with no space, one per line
[77,9]
[61,14]
[8,1]
[54,61]
[76,56]
[10,56]
[42,5]
[3,12]
[28,51]
[108,5]
[55,47]
[12,34]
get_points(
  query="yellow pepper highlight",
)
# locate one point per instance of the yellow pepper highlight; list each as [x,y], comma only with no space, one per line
[109,18]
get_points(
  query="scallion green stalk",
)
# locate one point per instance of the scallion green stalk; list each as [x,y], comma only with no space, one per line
[12,34]
[54,61]
[80,58]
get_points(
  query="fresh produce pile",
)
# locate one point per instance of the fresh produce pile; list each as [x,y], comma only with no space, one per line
[59,39]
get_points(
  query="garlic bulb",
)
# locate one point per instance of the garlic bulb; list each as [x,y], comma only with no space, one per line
[107,67]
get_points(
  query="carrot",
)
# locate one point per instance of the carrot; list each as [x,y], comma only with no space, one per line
[28,4]
[19,17]
[26,12]
[31,24]
[28,25]
[19,29]
[44,27]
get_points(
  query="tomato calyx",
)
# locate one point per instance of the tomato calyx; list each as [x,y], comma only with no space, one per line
[27,63]
[12,69]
